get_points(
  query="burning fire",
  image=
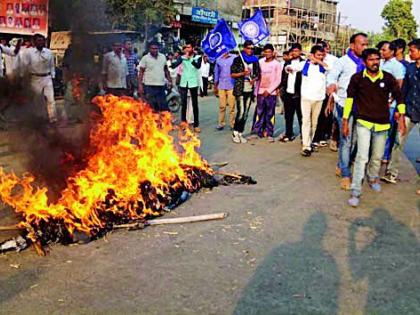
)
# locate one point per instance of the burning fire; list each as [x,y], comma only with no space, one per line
[134,168]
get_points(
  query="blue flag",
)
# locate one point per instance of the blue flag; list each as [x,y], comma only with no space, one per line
[218,41]
[255,28]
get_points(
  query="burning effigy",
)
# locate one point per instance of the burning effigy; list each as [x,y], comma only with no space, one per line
[137,165]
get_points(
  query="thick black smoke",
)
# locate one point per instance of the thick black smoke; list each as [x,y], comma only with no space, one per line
[50,153]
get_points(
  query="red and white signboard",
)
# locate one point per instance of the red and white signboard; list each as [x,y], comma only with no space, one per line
[25,17]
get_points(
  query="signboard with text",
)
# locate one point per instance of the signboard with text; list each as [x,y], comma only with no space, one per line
[205,16]
[25,17]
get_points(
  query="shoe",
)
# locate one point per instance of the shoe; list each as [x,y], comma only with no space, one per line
[284,138]
[306,152]
[389,178]
[345,183]
[354,201]
[314,148]
[270,139]
[323,143]
[220,127]
[253,137]
[242,138]
[315,144]
[235,137]
[333,146]
[375,186]
[337,171]
[197,129]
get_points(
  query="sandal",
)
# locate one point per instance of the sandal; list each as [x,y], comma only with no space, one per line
[306,153]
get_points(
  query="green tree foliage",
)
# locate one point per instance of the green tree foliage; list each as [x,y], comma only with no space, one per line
[399,19]
[139,15]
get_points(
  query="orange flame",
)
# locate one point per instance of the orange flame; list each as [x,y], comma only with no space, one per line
[130,145]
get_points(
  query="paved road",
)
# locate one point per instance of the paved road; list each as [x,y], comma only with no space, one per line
[289,246]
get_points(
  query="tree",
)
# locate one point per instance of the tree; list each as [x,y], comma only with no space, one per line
[140,15]
[399,19]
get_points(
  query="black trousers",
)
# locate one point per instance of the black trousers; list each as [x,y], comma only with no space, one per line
[194,98]
[324,127]
[292,106]
[243,104]
[203,90]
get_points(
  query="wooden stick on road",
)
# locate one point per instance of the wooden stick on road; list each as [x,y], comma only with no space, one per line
[228,174]
[191,219]
[10,228]
[195,218]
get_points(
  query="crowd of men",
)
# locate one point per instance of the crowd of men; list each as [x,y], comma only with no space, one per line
[364,103]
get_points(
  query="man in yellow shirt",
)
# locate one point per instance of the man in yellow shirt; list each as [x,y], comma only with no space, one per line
[367,96]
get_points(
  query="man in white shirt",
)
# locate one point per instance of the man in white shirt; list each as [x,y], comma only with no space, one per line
[8,51]
[338,80]
[153,73]
[204,74]
[312,94]
[115,71]
[325,121]
[39,64]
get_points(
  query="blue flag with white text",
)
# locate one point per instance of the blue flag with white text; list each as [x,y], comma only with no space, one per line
[218,41]
[255,28]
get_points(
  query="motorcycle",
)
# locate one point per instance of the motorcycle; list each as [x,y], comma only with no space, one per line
[173,98]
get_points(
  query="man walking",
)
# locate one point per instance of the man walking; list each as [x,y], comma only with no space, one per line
[7,51]
[271,71]
[338,80]
[223,87]
[132,63]
[411,94]
[189,82]
[400,45]
[204,75]
[246,71]
[291,98]
[312,93]
[153,72]
[39,63]
[325,120]
[370,91]
[115,71]
[391,65]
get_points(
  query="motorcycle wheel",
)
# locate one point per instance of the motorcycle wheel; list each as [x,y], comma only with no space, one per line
[174,105]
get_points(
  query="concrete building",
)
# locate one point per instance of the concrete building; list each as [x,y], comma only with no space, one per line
[292,21]
[197,17]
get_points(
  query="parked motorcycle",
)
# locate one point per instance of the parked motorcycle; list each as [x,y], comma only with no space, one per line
[173,98]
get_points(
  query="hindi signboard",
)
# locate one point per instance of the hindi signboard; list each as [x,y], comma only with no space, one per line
[25,17]
[205,16]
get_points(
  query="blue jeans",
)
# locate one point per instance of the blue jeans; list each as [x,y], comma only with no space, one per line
[368,140]
[156,96]
[347,144]
[392,133]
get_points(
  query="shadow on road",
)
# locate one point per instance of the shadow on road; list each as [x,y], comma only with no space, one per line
[390,263]
[16,284]
[300,278]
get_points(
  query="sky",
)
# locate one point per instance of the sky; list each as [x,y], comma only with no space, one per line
[366,14]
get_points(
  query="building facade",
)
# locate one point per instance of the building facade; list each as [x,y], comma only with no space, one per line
[297,21]
[196,17]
